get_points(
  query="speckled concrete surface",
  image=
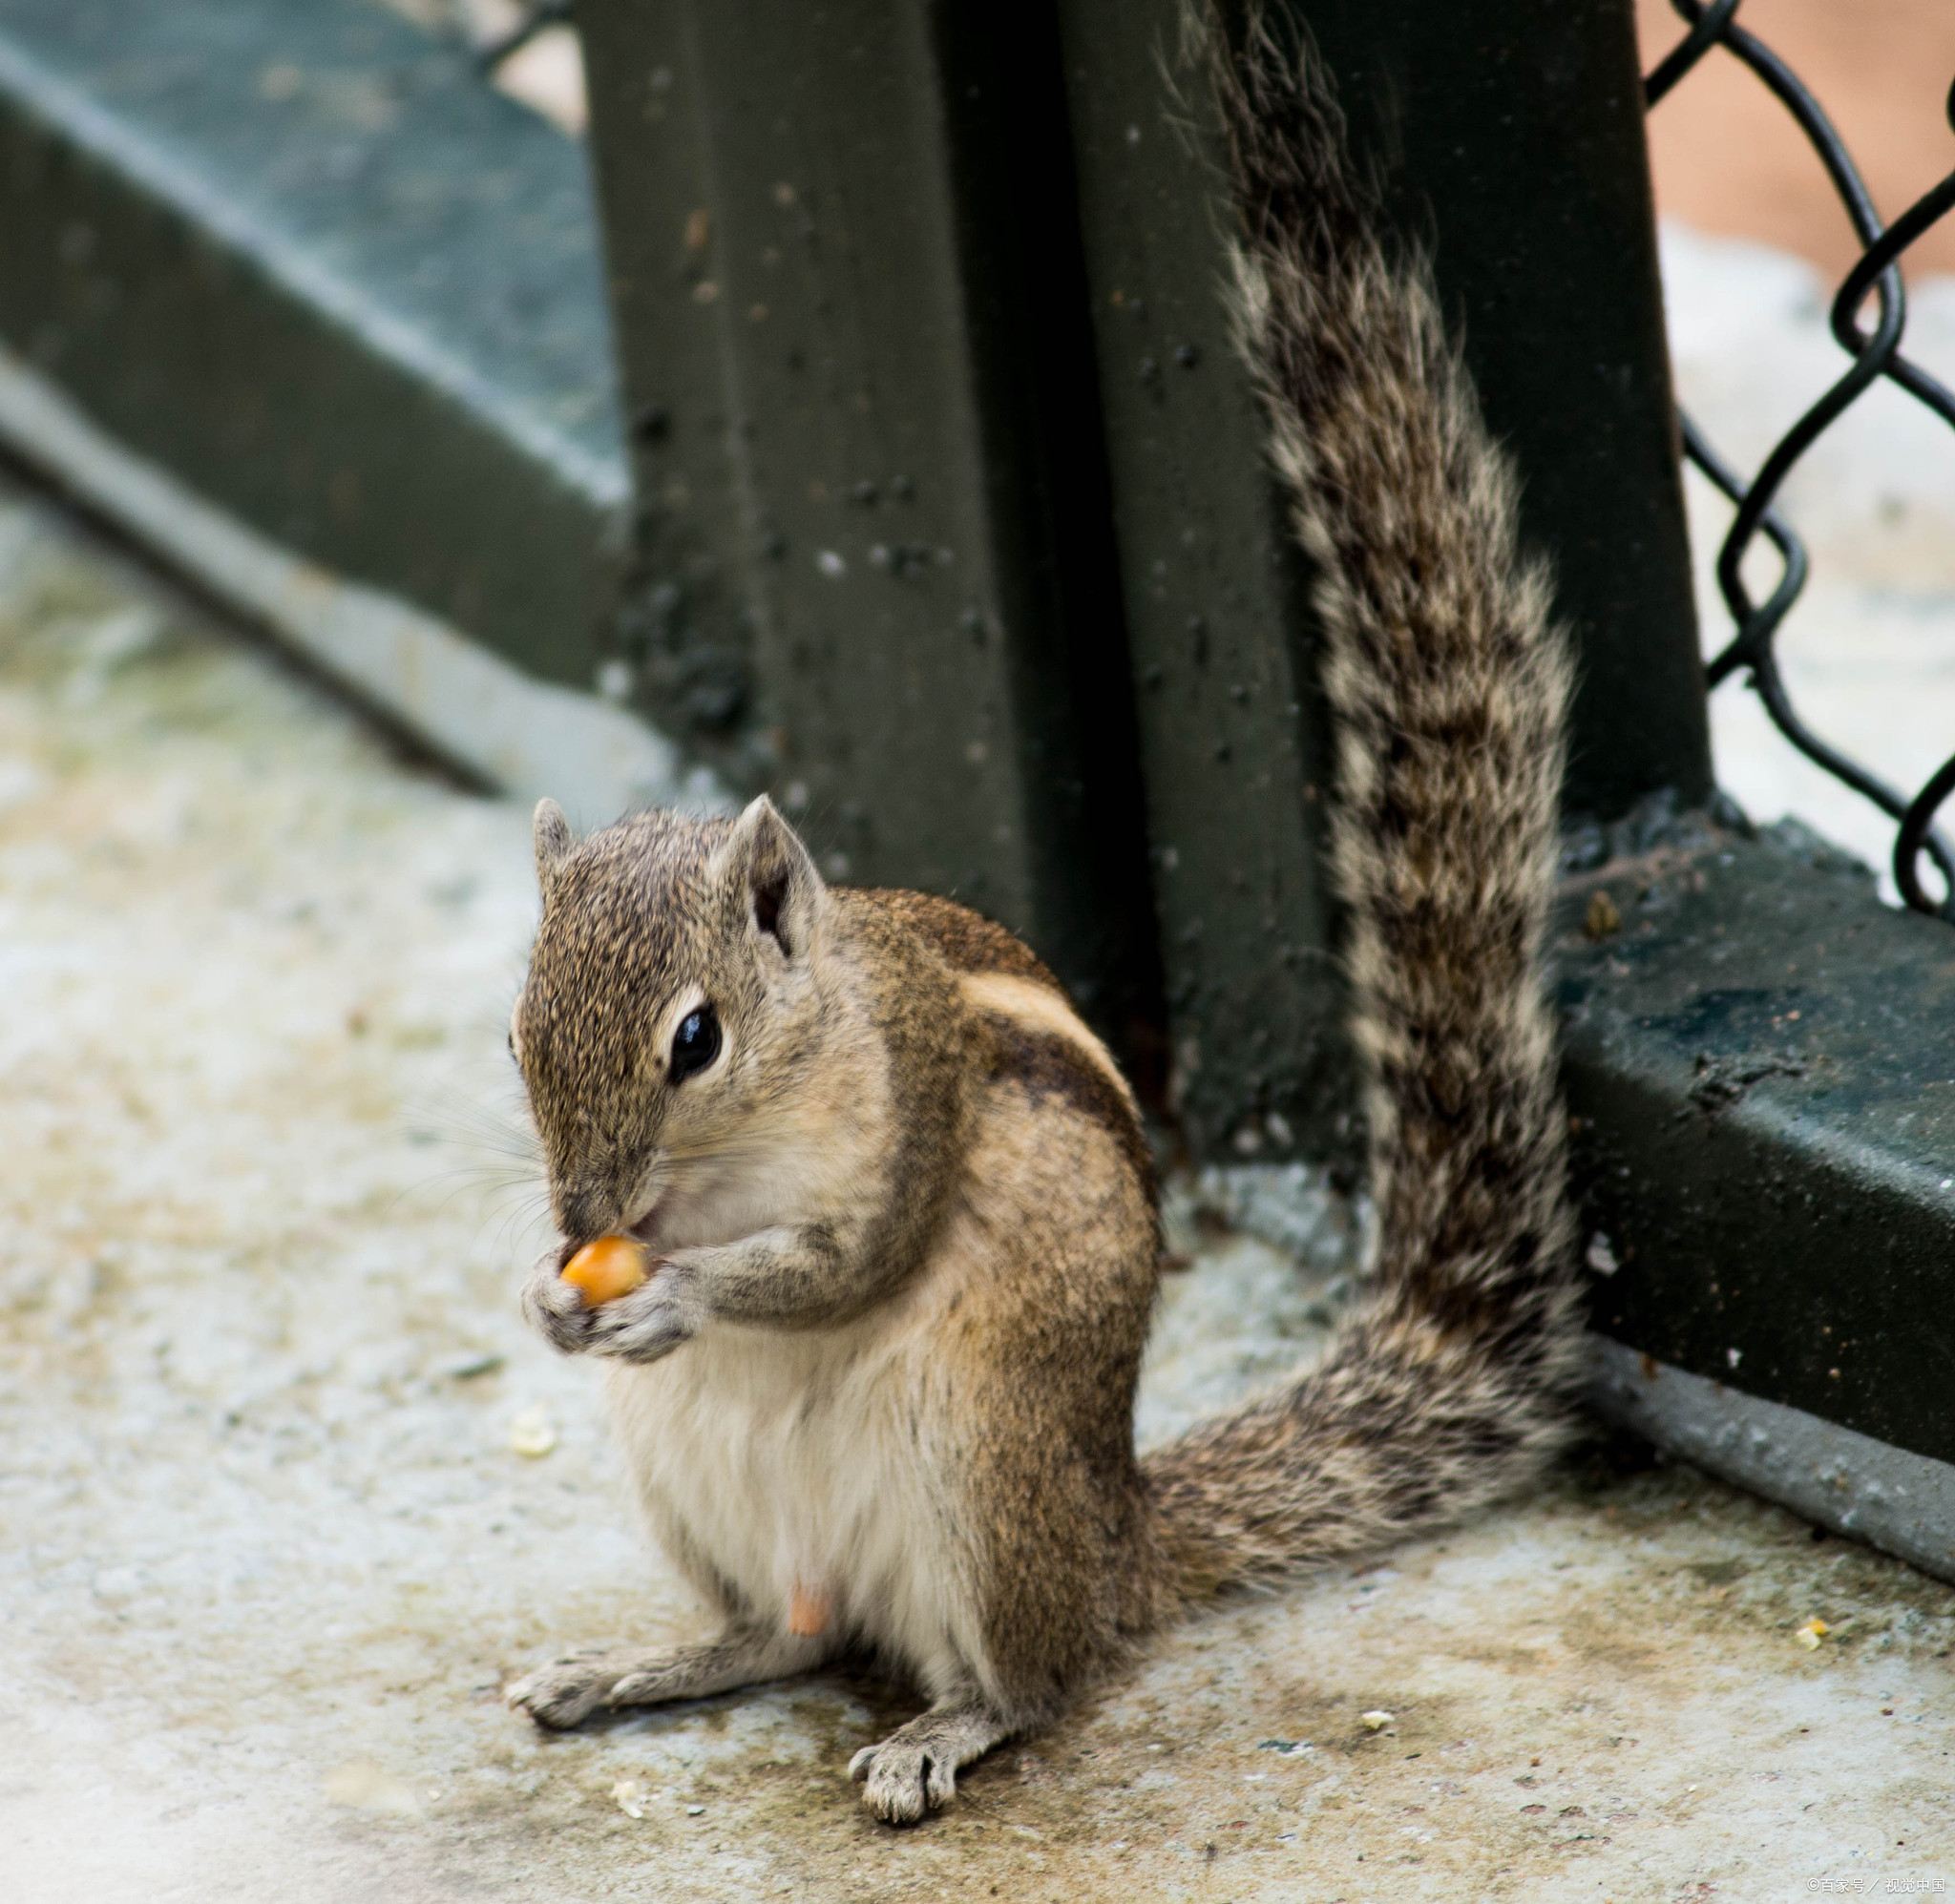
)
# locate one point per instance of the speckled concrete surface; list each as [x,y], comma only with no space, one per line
[267,1552]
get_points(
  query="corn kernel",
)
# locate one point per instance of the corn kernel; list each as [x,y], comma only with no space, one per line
[610,1267]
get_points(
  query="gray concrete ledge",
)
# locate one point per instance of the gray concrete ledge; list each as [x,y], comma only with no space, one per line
[526,736]
[1902,1503]
[512,395]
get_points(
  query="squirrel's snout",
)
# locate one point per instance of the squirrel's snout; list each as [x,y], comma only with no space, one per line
[584,1215]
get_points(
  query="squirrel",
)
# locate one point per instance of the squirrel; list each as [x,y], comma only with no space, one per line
[878,1392]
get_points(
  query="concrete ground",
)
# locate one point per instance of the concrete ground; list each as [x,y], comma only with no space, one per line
[286,1492]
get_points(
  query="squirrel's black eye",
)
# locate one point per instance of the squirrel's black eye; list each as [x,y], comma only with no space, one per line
[696,1043]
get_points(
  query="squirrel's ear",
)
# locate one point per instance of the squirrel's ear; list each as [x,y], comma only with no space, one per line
[554,844]
[780,890]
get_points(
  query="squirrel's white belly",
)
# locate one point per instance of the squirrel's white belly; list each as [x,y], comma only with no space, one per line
[798,1467]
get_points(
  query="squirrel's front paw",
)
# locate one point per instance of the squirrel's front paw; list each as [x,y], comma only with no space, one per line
[650,1322]
[556,1309]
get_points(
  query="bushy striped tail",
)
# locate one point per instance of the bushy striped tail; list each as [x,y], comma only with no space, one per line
[1448,686]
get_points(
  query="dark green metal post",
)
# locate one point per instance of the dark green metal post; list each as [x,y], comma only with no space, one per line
[1507,141]
[1218,632]
[877,573]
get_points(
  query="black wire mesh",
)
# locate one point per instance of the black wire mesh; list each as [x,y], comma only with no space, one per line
[1876,353]
[541,14]
[491,50]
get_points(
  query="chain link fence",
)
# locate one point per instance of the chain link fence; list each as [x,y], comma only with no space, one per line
[526,48]
[1875,350]
[504,44]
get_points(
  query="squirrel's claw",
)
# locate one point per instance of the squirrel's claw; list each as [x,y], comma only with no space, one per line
[555,1308]
[645,1325]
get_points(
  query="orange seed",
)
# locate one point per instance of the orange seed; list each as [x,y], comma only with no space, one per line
[610,1267]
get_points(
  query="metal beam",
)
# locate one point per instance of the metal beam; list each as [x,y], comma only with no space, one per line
[1851,1483]
[494,723]
[875,571]
[305,259]
[1231,734]
[1760,1061]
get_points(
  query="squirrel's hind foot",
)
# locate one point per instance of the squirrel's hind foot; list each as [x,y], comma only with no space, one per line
[574,1685]
[914,1771]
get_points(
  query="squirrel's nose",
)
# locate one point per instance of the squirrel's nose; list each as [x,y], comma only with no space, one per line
[585,1214]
